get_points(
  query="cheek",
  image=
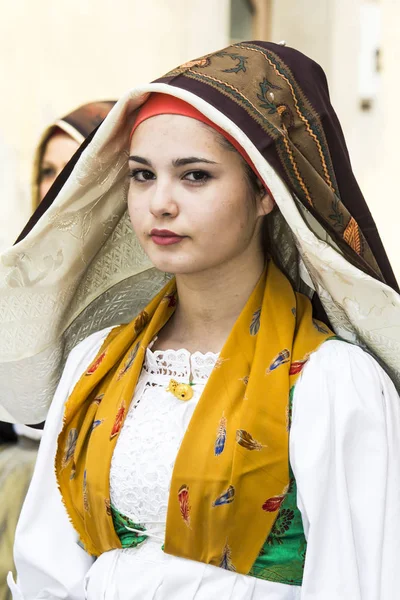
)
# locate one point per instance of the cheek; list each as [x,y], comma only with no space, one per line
[231,211]
[44,187]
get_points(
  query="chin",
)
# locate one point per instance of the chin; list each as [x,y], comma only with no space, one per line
[177,267]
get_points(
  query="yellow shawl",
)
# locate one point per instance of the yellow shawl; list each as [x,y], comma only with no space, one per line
[232,467]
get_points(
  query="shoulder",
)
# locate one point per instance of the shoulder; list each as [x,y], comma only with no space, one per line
[336,357]
[81,356]
[77,362]
[342,378]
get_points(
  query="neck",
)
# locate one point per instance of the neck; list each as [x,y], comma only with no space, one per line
[209,304]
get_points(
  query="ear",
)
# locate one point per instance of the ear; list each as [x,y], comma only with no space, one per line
[266,202]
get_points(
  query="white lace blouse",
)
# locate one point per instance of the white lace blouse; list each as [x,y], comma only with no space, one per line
[141,472]
[344,452]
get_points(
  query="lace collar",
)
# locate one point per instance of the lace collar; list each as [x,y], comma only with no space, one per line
[180,365]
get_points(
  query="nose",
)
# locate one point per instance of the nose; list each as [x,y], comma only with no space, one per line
[162,203]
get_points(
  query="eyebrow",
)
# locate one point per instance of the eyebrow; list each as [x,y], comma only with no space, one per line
[178,162]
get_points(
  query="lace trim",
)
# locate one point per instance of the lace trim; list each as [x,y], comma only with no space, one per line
[163,365]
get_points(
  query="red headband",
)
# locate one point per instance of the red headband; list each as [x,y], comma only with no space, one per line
[164,104]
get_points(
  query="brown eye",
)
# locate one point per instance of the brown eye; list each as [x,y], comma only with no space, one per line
[197,176]
[141,175]
[47,173]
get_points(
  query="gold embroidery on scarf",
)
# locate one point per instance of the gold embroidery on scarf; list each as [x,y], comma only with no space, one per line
[302,117]
[232,87]
[296,170]
[351,235]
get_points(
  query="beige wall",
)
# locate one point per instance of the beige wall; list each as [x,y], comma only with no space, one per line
[304,25]
[55,55]
[387,151]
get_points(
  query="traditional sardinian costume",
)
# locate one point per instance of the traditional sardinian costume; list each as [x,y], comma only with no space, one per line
[276,473]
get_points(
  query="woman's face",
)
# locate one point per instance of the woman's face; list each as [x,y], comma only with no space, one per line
[59,149]
[189,200]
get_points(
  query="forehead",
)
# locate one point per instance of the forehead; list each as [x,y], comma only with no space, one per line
[60,144]
[165,132]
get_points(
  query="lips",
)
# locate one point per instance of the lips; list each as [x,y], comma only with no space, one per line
[165,237]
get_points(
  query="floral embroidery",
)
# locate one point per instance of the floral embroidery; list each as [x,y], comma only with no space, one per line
[255,322]
[171,299]
[281,526]
[95,365]
[70,446]
[183,499]
[297,366]
[118,421]
[226,559]
[280,359]
[240,65]
[129,362]
[274,503]
[225,498]
[246,440]
[200,63]
[266,95]
[221,437]
[96,423]
[141,321]
[352,236]
[98,399]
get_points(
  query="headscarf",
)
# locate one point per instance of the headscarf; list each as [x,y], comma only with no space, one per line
[78,124]
[81,268]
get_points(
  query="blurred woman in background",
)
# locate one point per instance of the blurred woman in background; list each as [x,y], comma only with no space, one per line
[60,141]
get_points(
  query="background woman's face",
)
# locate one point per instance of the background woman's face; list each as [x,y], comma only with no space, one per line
[59,149]
[184,181]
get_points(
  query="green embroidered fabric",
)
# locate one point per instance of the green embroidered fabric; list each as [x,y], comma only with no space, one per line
[123,526]
[282,557]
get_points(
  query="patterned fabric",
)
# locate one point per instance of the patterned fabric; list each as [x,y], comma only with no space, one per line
[250,389]
[124,527]
[283,554]
[290,120]
[281,558]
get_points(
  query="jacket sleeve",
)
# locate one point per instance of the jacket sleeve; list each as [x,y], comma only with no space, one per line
[49,561]
[345,455]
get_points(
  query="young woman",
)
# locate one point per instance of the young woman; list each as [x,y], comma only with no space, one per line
[224,442]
